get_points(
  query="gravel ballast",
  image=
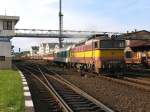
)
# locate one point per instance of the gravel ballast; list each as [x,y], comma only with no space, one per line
[119,97]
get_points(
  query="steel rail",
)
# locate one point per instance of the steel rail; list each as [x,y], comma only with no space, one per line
[137,81]
[81,92]
[77,90]
[52,91]
[64,103]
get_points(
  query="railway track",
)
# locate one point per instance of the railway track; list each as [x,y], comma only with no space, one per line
[135,81]
[138,72]
[131,82]
[138,81]
[44,98]
[59,93]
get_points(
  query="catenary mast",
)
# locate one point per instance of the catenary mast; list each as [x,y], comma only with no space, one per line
[60,23]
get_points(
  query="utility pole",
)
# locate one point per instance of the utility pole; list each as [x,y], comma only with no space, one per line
[5,11]
[19,50]
[60,23]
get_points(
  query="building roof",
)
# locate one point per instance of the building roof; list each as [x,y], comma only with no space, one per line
[52,45]
[138,32]
[139,43]
[14,18]
[43,44]
[143,34]
[35,48]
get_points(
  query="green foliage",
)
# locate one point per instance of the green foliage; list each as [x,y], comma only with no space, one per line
[11,92]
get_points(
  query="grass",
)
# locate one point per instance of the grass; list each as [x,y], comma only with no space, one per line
[11,92]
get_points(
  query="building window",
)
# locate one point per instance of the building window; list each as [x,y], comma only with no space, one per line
[2,58]
[7,25]
[128,54]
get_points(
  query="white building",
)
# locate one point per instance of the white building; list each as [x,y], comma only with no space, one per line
[50,47]
[42,49]
[34,50]
[7,26]
[5,53]
[47,48]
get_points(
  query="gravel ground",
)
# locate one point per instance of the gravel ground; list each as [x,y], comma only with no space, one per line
[117,96]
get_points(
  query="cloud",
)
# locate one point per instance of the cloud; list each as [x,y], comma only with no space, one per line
[114,15]
[44,15]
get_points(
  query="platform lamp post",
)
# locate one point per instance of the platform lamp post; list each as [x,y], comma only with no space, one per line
[60,23]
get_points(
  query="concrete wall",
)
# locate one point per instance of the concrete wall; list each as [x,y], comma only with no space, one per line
[6,64]
[5,50]
[1,25]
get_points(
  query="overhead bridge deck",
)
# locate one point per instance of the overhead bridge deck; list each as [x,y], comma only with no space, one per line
[35,33]
[40,33]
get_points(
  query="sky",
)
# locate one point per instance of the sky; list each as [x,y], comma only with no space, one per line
[100,15]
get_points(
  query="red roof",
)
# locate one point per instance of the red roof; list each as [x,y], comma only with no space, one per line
[142,32]
[139,43]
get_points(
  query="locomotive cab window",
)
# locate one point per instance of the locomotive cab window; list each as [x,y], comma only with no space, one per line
[106,44]
[119,44]
[112,43]
[95,44]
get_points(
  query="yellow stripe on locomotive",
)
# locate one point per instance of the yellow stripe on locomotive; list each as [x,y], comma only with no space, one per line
[100,53]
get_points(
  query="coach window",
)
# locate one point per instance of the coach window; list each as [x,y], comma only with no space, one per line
[64,54]
[58,55]
[7,25]
[95,44]
[2,58]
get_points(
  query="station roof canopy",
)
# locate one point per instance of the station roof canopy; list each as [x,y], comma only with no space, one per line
[13,18]
[138,35]
[137,43]
[140,45]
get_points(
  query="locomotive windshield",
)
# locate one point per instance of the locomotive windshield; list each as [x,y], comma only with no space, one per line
[112,44]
